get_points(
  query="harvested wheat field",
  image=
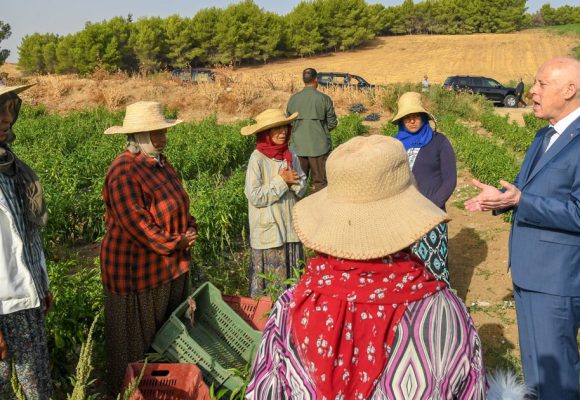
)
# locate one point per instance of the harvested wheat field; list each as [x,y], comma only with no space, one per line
[394,59]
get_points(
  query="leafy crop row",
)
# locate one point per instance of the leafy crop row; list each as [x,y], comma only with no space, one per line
[487,161]
[533,123]
[514,136]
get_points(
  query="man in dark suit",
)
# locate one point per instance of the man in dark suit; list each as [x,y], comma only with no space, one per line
[520,92]
[545,236]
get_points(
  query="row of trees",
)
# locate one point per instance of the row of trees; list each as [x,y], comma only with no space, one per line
[557,16]
[245,33]
[5,33]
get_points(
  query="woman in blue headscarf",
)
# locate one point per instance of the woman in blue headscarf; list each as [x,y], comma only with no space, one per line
[432,161]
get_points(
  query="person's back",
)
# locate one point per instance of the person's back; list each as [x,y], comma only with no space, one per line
[311,130]
[436,353]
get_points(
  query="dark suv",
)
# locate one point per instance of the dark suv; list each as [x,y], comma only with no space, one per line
[490,88]
[342,79]
[193,75]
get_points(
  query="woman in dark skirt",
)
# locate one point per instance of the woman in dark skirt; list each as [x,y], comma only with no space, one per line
[274,182]
[145,257]
[432,161]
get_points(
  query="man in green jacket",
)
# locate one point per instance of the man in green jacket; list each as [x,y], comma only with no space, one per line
[310,138]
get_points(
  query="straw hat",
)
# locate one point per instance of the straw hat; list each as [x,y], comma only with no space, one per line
[143,116]
[370,207]
[14,89]
[270,118]
[410,103]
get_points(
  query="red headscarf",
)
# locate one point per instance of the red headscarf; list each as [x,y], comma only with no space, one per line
[277,151]
[346,314]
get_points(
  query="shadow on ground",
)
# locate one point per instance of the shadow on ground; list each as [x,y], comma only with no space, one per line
[499,352]
[466,251]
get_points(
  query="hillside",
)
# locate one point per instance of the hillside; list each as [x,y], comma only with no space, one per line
[244,92]
[393,59]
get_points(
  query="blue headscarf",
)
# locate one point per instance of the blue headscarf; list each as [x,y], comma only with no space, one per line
[418,139]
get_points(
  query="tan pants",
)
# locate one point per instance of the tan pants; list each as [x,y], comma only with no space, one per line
[317,168]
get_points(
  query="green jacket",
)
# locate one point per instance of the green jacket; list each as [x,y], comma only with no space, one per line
[316,118]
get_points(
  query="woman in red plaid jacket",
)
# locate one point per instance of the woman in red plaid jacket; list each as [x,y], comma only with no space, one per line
[145,255]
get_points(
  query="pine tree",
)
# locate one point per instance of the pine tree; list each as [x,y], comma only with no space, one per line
[5,33]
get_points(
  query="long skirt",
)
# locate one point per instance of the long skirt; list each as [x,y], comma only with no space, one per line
[433,250]
[25,335]
[131,323]
[277,263]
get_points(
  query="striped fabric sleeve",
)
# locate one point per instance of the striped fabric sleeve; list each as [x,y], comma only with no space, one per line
[130,212]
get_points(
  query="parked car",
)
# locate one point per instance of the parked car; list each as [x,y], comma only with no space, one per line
[193,75]
[343,79]
[488,87]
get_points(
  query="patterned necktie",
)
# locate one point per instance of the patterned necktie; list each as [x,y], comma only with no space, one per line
[547,137]
[545,142]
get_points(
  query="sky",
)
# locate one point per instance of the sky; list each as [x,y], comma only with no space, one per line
[68,16]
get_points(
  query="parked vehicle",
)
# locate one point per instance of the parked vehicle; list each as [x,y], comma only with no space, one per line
[193,75]
[343,79]
[488,87]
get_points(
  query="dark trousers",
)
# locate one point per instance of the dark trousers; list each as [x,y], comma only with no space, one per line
[519,96]
[317,168]
[547,327]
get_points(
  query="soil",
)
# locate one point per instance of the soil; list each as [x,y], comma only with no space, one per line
[515,114]
[478,252]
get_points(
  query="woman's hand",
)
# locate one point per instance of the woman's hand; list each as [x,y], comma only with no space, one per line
[48,302]
[187,240]
[3,348]
[290,176]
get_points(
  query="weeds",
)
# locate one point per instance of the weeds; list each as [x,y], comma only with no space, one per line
[82,381]
[519,139]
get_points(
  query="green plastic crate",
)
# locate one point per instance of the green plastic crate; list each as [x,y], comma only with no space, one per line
[219,339]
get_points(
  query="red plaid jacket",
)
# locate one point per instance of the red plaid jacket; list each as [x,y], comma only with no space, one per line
[146,212]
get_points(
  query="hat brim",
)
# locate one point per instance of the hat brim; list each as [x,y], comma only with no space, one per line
[114,130]
[15,89]
[404,113]
[363,231]
[253,129]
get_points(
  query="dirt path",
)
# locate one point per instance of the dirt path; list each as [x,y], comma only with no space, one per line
[478,250]
[515,114]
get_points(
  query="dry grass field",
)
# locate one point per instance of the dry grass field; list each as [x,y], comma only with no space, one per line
[394,59]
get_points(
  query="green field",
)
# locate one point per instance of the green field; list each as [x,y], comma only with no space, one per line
[71,156]
[570,28]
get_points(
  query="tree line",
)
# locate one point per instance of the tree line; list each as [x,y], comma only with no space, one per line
[243,33]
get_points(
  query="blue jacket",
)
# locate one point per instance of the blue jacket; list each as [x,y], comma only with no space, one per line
[545,234]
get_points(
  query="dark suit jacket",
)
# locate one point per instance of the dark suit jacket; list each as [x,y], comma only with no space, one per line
[520,89]
[545,235]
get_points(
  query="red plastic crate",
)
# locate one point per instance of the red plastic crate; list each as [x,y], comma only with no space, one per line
[167,382]
[251,310]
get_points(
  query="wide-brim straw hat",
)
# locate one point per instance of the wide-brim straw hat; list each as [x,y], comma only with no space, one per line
[143,116]
[268,119]
[14,89]
[410,103]
[370,207]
